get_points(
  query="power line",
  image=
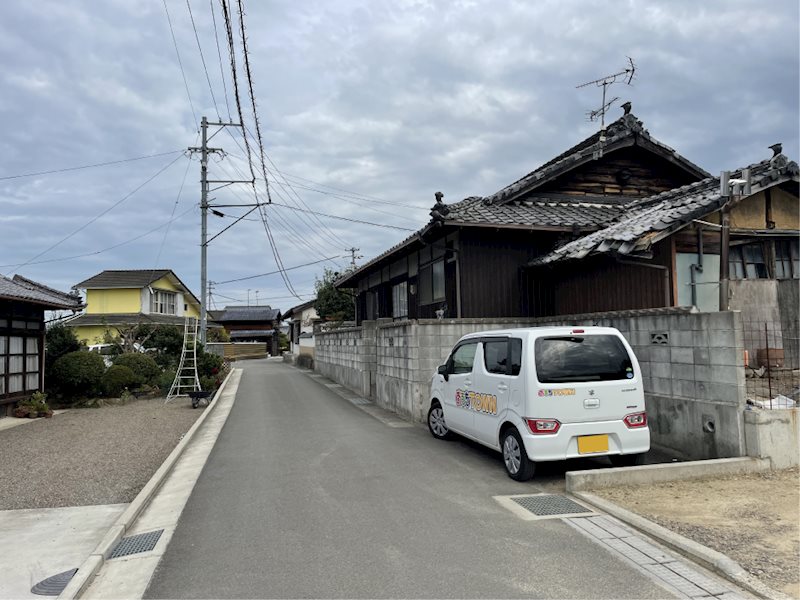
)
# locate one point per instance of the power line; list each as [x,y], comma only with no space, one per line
[345,218]
[305,240]
[316,262]
[114,247]
[203,59]
[106,211]
[219,55]
[102,164]
[172,214]
[180,63]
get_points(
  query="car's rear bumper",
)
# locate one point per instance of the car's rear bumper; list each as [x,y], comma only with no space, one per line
[564,444]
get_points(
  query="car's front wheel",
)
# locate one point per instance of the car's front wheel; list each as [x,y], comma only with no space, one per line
[436,422]
[518,465]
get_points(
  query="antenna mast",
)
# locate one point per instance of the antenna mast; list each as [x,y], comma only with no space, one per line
[626,76]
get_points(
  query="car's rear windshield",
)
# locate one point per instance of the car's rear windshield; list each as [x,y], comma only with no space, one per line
[581,358]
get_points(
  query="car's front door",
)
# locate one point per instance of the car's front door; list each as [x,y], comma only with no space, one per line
[458,386]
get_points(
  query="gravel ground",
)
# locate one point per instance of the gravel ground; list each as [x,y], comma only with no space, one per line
[90,455]
[754,519]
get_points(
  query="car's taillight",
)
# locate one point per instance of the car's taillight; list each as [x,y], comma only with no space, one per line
[636,420]
[543,426]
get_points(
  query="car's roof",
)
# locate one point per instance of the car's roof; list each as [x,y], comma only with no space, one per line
[543,331]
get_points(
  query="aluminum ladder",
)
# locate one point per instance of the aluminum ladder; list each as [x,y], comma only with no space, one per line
[186,379]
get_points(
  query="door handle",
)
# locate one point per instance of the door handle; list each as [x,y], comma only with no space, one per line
[502,387]
[467,383]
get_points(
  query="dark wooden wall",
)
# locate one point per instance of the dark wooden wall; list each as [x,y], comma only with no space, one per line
[491,265]
[601,284]
[649,174]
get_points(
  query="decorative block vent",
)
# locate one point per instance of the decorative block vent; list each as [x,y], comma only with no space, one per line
[136,544]
[659,338]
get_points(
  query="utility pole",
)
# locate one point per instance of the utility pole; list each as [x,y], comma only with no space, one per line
[353,256]
[204,151]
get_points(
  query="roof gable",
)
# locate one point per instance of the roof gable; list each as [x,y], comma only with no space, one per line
[133,278]
[27,290]
[651,219]
[625,132]
[248,313]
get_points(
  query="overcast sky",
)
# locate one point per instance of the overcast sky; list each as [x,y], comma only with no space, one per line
[389,101]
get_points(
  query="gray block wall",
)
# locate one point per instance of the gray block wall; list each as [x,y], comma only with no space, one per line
[691,367]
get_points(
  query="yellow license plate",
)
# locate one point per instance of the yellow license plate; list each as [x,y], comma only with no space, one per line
[591,444]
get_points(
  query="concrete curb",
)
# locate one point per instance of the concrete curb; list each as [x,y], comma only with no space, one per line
[711,559]
[91,566]
[586,480]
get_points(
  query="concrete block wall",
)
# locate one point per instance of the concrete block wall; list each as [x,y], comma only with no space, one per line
[341,355]
[691,367]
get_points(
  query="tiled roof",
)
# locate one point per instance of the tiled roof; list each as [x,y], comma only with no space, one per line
[650,219]
[537,212]
[251,333]
[137,278]
[249,313]
[123,319]
[627,126]
[21,288]
[298,309]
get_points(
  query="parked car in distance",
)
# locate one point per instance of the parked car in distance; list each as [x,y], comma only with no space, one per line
[109,351]
[543,394]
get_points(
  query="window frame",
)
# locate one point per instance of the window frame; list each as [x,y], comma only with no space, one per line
[400,300]
[427,276]
[451,359]
[163,299]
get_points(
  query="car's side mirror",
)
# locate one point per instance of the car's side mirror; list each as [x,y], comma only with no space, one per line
[442,370]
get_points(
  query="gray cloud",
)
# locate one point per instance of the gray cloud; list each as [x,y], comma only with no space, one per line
[392,100]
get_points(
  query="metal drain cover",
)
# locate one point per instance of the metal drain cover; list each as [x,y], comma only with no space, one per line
[135,544]
[53,586]
[550,505]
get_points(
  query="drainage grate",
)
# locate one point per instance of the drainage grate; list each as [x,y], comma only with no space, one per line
[53,586]
[135,544]
[549,505]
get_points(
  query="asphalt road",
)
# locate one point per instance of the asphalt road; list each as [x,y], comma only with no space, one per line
[307,496]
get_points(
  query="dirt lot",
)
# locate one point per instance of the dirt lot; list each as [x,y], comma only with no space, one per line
[90,455]
[753,519]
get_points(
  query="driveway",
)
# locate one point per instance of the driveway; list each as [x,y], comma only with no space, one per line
[307,495]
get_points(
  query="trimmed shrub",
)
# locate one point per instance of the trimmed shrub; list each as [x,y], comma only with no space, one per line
[145,369]
[116,379]
[208,365]
[78,374]
[164,381]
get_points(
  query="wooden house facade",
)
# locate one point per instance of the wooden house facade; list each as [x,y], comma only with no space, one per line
[22,331]
[475,258]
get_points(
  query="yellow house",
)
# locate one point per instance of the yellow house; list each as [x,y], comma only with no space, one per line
[123,298]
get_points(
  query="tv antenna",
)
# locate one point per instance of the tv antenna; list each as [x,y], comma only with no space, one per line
[625,76]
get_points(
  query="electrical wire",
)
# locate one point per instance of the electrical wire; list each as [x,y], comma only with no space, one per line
[109,248]
[102,164]
[219,55]
[180,63]
[308,264]
[101,214]
[341,218]
[203,59]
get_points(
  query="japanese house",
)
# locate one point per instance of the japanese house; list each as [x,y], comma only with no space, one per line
[252,324]
[22,329]
[471,260]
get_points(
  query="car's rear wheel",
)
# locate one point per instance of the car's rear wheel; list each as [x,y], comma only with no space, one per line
[518,465]
[436,422]
[626,460]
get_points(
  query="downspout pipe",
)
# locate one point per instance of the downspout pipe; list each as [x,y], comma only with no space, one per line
[698,267]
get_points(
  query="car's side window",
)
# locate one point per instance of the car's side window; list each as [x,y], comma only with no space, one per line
[463,358]
[495,356]
[516,355]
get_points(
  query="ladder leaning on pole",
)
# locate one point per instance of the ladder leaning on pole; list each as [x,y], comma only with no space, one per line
[186,379]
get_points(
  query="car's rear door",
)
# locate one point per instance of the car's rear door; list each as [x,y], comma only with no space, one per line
[585,377]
